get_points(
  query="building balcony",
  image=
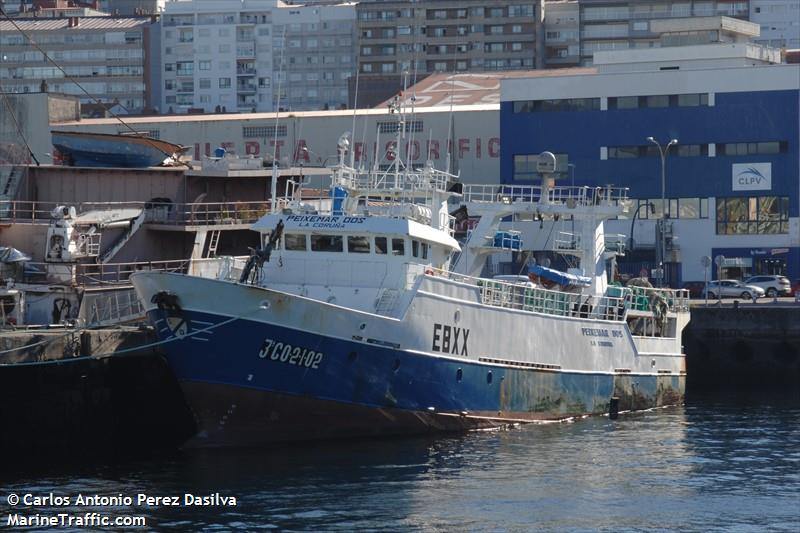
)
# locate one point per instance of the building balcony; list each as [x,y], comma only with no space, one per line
[246,52]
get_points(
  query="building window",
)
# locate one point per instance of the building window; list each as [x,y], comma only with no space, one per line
[761,215]
[204,65]
[525,166]
[415,126]
[224,83]
[520,10]
[650,150]
[752,148]
[568,104]
[263,132]
[656,100]
[205,83]
[623,102]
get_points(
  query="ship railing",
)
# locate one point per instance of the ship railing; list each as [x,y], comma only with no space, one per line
[528,297]
[156,212]
[212,213]
[645,298]
[414,183]
[118,307]
[120,273]
[33,211]
[612,306]
[570,196]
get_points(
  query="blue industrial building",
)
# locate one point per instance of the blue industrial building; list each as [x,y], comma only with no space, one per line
[732,181]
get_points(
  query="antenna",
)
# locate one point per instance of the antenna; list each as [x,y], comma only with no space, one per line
[274,181]
[353,129]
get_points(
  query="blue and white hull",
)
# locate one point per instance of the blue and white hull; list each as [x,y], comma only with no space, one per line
[261,366]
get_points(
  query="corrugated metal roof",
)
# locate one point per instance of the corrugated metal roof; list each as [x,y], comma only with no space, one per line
[85,23]
[468,89]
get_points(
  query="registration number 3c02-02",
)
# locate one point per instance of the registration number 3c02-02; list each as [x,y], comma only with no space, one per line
[290,354]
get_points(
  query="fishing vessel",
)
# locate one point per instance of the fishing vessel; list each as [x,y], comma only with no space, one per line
[370,318]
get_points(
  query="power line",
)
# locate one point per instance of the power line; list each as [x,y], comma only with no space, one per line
[90,96]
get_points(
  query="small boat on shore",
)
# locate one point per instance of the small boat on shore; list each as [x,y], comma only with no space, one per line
[83,149]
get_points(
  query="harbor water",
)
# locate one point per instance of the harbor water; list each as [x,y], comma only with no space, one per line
[719,463]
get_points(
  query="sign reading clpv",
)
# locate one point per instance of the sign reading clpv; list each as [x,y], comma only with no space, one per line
[752,176]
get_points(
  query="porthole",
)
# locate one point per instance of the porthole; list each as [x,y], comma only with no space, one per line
[396,365]
[459,375]
[457,316]
[264,304]
[489,377]
[362,326]
[352,356]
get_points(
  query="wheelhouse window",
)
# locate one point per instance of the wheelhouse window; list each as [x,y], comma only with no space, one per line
[358,244]
[380,245]
[415,248]
[424,250]
[295,241]
[398,247]
[327,243]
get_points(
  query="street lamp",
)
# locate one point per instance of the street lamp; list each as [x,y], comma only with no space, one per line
[662,245]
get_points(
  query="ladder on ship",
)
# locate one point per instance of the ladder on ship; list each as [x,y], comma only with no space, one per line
[213,243]
[10,177]
[387,302]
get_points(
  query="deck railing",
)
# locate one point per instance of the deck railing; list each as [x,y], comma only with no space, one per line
[189,214]
[580,196]
[613,306]
[205,214]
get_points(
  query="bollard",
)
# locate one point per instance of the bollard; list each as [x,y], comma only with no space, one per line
[613,408]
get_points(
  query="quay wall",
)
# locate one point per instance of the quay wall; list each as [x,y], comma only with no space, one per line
[67,396]
[743,345]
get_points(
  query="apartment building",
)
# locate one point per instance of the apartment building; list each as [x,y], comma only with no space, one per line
[232,55]
[445,36]
[626,24]
[779,21]
[562,42]
[97,59]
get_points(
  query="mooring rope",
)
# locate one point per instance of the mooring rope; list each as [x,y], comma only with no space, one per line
[116,352]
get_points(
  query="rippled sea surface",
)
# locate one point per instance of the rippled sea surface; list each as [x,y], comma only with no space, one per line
[715,464]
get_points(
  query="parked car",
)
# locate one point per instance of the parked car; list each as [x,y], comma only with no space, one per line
[772,285]
[695,288]
[733,288]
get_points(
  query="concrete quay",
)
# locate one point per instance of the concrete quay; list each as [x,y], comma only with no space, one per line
[77,393]
[743,344]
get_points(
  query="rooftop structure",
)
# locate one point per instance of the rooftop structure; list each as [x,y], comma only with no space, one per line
[611,25]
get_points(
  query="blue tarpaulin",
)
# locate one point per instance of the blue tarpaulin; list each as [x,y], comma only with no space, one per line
[562,278]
